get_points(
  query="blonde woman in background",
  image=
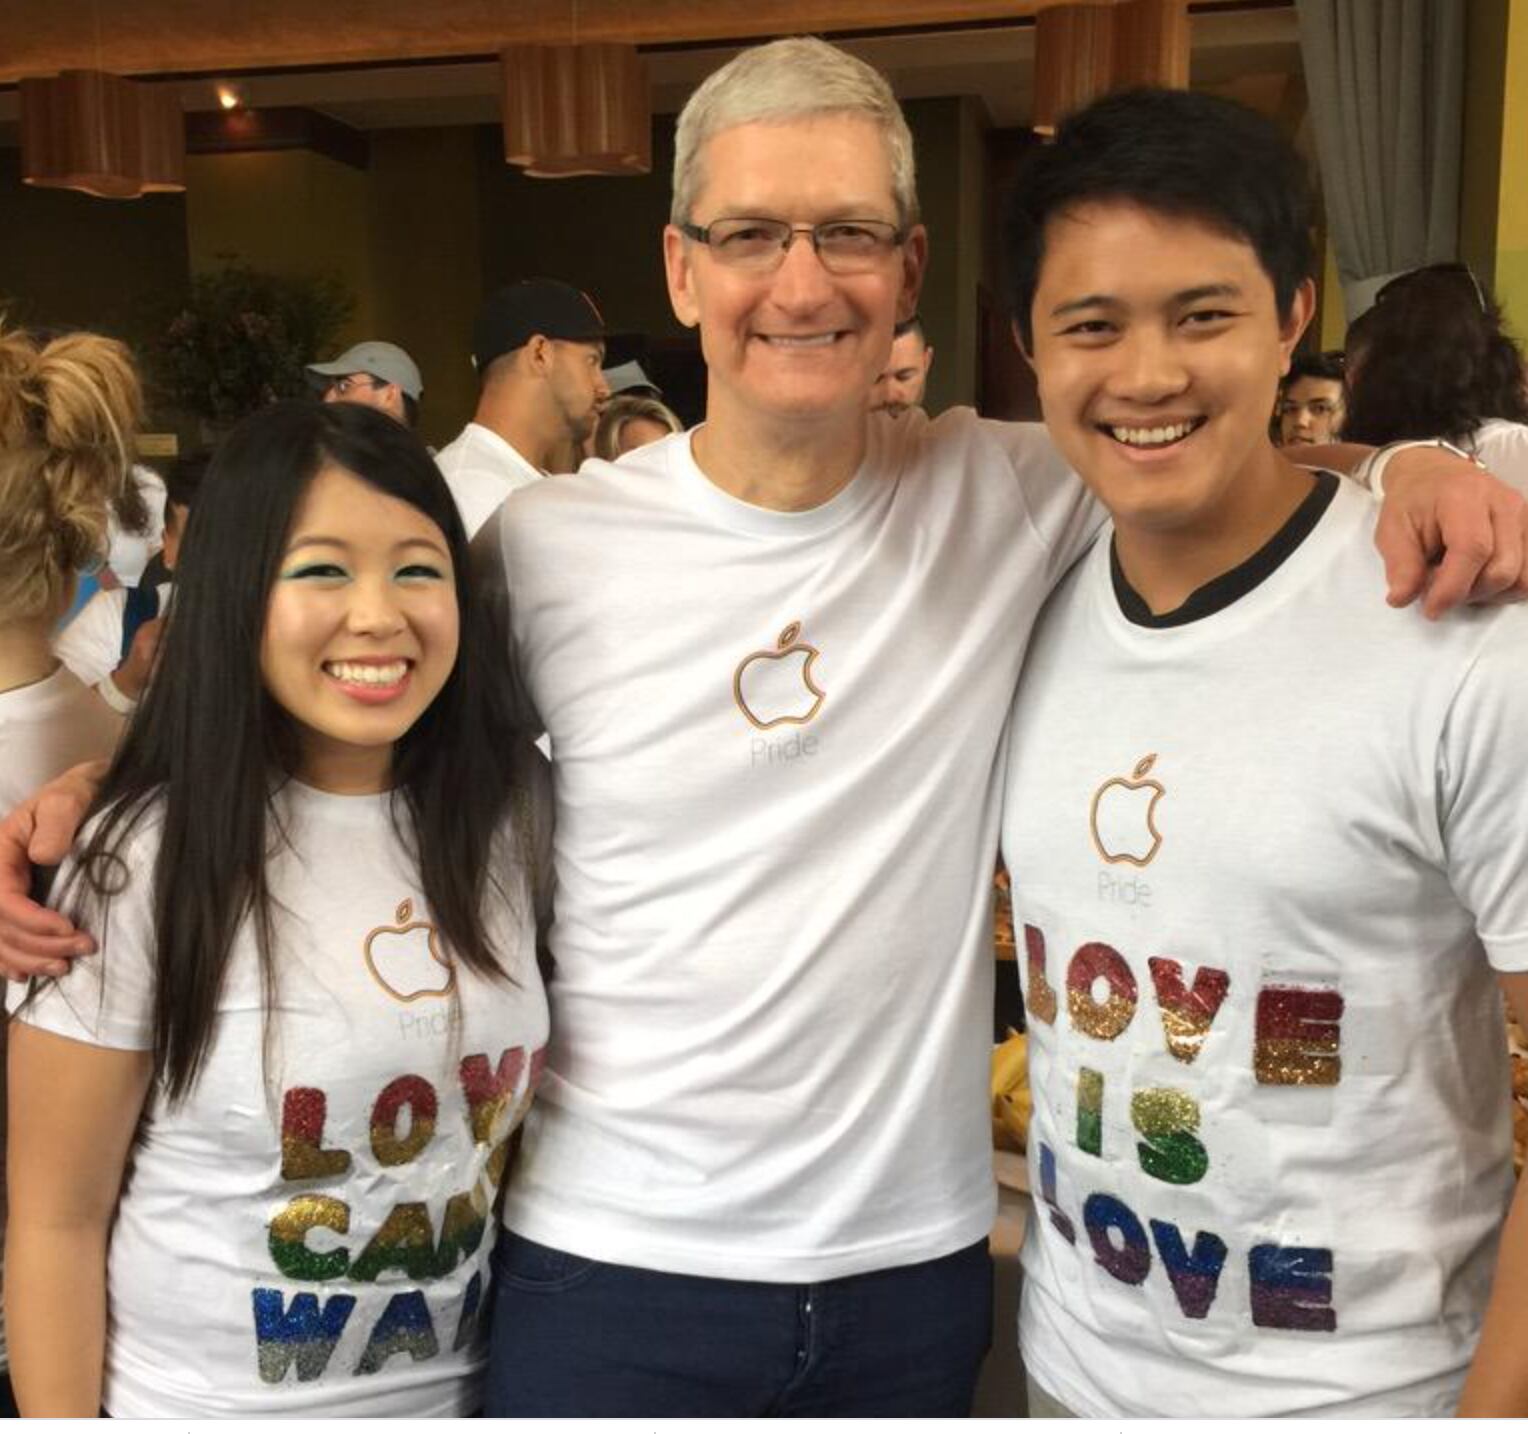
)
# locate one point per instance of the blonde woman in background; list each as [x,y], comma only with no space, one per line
[68,411]
[630,421]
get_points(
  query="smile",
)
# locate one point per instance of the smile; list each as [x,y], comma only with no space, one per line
[378,677]
[1160,436]
[800,341]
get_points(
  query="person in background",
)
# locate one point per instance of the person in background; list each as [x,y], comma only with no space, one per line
[631,378]
[630,421]
[378,374]
[110,644]
[538,346]
[68,412]
[901,383]
[1312,401]
[1432,359]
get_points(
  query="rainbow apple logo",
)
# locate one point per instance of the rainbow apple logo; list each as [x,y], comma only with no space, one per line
[1123,818]
[775,686]
[404,959]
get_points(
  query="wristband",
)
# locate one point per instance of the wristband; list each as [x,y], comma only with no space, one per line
[1372,470]
[114,697]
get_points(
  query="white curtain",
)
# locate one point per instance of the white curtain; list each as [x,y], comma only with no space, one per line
[1386,84]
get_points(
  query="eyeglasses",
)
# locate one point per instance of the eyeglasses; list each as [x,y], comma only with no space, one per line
[844,246]
[350,381]
[1468,283]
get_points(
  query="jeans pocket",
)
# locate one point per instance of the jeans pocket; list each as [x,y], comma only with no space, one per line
[524,1265]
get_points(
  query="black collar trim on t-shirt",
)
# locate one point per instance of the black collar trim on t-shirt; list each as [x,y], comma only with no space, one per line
[1230,586]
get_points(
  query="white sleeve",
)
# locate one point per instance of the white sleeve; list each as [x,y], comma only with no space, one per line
[1064,514]
[106,999]
[91,645]
[1503,448]
[1483,803]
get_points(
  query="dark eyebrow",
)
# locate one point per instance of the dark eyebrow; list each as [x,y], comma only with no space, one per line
[322,540]
[1184,296]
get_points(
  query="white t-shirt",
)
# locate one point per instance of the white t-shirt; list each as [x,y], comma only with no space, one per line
[777,742]
[1266,861]
[1503,447]
[91,645]
[309,1239]
[47,727]
[481,470]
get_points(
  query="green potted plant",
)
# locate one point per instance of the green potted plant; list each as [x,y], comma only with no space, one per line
[242,338]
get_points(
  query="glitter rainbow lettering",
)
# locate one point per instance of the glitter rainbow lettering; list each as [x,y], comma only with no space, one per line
[1292,1288]
[1129,1262]
[1040,998]
[1298,1035]
[1194,1277]
[1170,1151]
[1187,1013]
[301,1337]
[1103,1021]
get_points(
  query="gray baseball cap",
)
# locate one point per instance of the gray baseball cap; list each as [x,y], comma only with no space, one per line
[381,360]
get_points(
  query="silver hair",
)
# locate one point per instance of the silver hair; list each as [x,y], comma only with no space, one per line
[792,79]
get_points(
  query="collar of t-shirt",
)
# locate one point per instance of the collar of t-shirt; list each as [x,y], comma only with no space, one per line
[1222,591]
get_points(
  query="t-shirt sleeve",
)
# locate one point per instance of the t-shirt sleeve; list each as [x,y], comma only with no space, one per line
[107,998]
[91,645]
[1503,448]
[1483,753]
[1065,515]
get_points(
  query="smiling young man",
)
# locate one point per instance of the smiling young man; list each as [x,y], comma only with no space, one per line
[775,656]
[1271,1137]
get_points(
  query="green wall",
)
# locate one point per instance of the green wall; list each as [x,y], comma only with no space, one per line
[72,261]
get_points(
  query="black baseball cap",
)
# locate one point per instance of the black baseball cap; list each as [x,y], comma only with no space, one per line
[515,314]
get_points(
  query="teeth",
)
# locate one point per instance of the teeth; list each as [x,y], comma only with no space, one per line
[1152,437]
[369,674]
[810,341]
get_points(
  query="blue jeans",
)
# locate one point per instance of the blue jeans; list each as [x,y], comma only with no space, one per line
[577,1337]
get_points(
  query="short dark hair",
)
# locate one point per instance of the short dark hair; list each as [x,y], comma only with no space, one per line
[410,410]
[1328,366]
[913,325]
[183,476]
[1432,360]
[1175,153]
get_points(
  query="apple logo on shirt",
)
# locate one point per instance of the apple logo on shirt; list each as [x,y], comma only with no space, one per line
[405,959]
[1123,817]
[775,686]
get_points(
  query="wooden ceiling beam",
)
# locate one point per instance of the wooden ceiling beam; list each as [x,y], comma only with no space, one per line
[223,36]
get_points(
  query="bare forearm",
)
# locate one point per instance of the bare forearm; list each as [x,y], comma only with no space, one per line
[1338,457]
[1497,1386]
[55,1317]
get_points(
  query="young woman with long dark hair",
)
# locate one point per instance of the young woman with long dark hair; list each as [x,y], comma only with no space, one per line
[316,1004]
[1431,359]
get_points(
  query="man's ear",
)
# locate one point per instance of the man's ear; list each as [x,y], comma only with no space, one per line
[1293,325]
[914,266]
[1018,343]
[680,274]
[537,352]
